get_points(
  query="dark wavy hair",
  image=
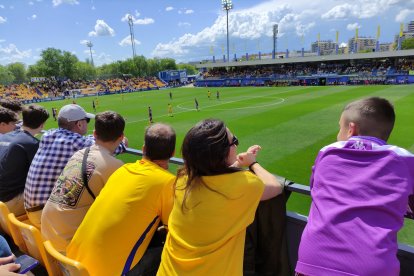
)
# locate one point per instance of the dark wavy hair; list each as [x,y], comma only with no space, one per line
[205,150]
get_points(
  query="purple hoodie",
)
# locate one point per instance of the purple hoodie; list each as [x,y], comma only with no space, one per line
[360,191]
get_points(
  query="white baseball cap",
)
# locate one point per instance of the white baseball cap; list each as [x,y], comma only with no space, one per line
[74,112]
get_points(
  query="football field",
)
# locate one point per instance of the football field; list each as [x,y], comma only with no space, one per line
[291,124]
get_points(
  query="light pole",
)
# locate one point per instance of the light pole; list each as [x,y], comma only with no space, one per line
[275,32]
[227,5]
[90,45]
[131,32]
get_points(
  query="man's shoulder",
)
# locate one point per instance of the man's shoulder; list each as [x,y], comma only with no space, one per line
[19,137]
[101,157]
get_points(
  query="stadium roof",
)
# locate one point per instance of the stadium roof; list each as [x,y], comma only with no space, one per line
[359,56]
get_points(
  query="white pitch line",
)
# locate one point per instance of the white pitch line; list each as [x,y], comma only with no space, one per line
[222,103]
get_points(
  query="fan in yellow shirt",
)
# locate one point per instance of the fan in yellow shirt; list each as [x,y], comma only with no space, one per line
[215,200]
[119,225]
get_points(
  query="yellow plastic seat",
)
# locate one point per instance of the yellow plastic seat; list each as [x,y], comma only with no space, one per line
[66,265]
[5,224]
[33,242]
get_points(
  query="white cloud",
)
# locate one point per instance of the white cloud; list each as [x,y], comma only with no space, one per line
[303,29]
[353,26]
[33,17]
[93,8]
[31,3]
[127,41]
[102,58]
[84,42]
[1,6]
[188,12]
[169,8]
[3,20]
[60,2]
[102,29]
[88,52]
[183,24]
[339,12]
[364,8]
[2,40]
[137,14]
[403,14]
[138,21]
[144,21]
[343,44]
[248,24]
[10,54]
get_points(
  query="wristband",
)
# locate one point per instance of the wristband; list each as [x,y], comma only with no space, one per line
[251,165]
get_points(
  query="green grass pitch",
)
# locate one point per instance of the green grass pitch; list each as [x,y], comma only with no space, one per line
[291,124]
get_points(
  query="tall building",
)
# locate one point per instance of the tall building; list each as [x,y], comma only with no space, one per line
[363,44]
[326,47]
[410,27]
[385,47]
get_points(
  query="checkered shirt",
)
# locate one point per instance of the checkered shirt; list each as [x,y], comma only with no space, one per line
[56,148]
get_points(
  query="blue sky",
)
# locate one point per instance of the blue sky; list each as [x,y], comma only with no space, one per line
[186,30]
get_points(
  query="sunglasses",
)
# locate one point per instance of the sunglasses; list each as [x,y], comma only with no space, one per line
[234,141]
[86,119]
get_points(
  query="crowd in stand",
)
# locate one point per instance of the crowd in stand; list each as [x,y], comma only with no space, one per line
[291,70]
[57,88]
[113,217]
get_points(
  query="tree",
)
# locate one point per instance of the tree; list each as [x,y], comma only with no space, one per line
[84,71]
[191,70]
[128,67]
[141,66]
[18,70]
[6,77]
[167,64]
[109,70]
[36,70]
[68,65]
[153,67]
[52,60]
[407,44]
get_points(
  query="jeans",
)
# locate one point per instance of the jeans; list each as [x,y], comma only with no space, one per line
[149,263]
[265,251]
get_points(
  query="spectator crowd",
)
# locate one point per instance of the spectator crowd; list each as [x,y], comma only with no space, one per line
[51,88]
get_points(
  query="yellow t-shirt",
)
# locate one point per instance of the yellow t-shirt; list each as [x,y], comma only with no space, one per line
[134,196]
[208,237]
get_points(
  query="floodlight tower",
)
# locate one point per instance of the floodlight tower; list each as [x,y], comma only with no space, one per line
[131,32]
[275,32]
[227,5]
[90,45]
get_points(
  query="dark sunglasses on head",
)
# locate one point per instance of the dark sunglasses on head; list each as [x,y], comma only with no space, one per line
[87,120]
[234,141]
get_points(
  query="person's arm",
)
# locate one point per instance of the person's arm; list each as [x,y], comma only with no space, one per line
[272,185]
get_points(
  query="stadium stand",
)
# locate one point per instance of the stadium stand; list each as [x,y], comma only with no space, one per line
[53,88]
[356,69]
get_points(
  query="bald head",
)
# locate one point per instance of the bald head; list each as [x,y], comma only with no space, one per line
[159,142]
[372,116]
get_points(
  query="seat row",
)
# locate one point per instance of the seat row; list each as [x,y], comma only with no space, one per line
[30,241]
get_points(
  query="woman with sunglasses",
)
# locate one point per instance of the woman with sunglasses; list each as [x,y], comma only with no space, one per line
[215,200]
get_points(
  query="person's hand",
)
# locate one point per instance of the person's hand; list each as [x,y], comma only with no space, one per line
[11,267]
[254,149]
[6,260]
[245,159]
[125,141]
[7,267]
